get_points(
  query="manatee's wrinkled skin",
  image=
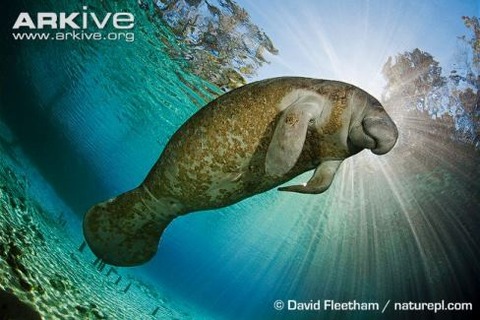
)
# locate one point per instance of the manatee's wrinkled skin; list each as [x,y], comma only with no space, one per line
[243,143]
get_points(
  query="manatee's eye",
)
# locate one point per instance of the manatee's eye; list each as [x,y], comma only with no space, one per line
[311,122]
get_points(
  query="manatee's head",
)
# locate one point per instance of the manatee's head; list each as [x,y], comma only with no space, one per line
[370,127]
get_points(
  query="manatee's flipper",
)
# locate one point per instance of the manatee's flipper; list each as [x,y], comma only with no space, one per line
[290,132]
[124,231]
[320,181]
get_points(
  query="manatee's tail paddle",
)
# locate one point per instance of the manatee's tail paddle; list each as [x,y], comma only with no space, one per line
[124,231]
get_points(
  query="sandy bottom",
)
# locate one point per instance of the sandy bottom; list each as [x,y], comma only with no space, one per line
[46,274]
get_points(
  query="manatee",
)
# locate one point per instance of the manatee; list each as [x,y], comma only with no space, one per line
[245,142]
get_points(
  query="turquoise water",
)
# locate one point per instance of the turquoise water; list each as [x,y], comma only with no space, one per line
[84,121]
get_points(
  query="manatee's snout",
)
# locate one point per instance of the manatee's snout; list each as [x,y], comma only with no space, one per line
[383,131]
[376,131]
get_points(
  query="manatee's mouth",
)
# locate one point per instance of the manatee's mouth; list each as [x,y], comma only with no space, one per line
[383,132]
[352,147]
[358,140]
[379,134]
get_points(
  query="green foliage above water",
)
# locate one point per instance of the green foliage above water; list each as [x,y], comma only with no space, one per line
[222,44]
[440,105]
